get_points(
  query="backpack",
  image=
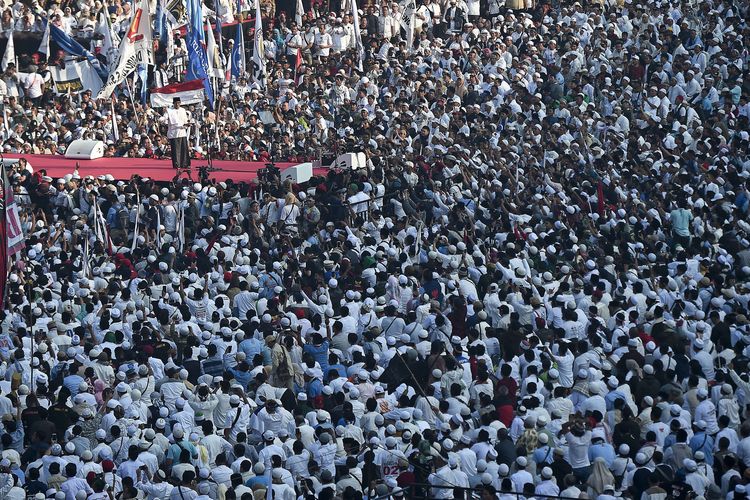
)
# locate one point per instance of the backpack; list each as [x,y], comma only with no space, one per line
[284,370]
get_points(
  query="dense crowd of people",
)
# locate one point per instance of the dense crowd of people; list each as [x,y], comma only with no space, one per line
[537,287]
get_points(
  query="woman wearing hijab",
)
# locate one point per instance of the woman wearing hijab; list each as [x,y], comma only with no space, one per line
[599,478]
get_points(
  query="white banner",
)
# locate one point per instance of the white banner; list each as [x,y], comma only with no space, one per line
[408,13]
[358,37]
[76,77]
[10,53]
[136,48]
[259,57]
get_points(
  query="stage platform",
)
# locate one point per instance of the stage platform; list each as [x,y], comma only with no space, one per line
[160,170]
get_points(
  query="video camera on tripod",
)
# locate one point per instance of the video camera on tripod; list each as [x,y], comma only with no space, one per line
[203,172]
[270,174]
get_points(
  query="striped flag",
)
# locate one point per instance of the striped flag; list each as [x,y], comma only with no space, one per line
[190,92]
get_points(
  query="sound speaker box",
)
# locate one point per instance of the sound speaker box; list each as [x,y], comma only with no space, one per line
[298,173]
[85,150]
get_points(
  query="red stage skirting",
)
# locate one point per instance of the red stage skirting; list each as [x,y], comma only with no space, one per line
[160,170]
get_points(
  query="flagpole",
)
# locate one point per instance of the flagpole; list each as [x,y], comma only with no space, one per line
[115,131]
[4,243]
[137,219]
[132,101]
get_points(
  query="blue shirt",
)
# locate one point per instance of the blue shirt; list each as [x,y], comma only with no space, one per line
[340,369]
[705,443]
[319,354]
[611,397]
[604,450]
[314,388]
[543,455]
[259,480]
[174,451]
[72,382]
[242,378]
[251,347]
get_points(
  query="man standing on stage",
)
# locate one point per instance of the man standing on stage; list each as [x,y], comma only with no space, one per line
[178,120]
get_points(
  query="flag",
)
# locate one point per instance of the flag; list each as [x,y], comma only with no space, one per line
[10,53]
[197,61]
[136,48]
[190,92]
[115,132]
[142,73]
[238,51]
[110,40]
[160,23]
[358,37]
[298,12]
[408,15]
[67,44]
[222,59]
[259,59]
[170,40]
[175,12]
[297,64]
[215,67]
[137,220]
[86,259]
[181,228]
[210,48]
[101,230]
[75,77]
[11,236]
[44,46]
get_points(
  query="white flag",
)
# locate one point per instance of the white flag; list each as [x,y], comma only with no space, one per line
[408,13]
[115,131]
[136,48]
[298,11]
[170,41]
[358,37]
[44,46]
[137,220]
[75,77]
[215,68]
[10,53]
[110,40]
[259,59]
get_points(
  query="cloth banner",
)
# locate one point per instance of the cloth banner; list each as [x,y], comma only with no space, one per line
[190,92]
[75,77]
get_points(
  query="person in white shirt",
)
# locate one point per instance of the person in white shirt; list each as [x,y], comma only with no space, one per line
[293,43]
[178,121]
[32,85]
[323,42]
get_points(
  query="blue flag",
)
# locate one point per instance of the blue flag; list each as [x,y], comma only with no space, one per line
[143,77]
[159,23]
[196,44]
[238,51]
[67,44]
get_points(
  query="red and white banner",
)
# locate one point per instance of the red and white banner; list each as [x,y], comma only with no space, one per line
[11,236]
[190,92]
